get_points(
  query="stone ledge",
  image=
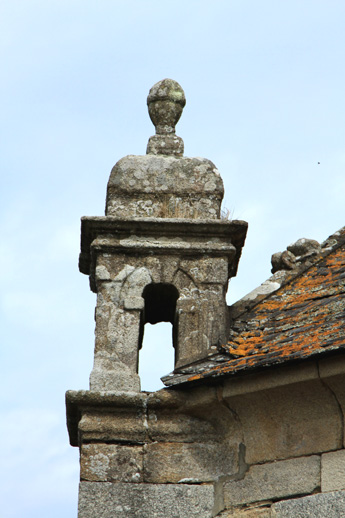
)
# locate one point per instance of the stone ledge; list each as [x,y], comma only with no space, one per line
[79,400]
[166,415]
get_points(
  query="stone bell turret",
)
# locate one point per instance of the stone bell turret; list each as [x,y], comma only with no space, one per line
[161,253]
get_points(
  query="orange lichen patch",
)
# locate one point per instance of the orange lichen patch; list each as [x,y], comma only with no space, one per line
[303,318]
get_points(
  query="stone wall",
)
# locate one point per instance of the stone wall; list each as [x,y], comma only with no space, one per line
[265,445]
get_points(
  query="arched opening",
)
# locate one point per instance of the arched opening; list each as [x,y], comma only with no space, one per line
[160,303]
[158,331]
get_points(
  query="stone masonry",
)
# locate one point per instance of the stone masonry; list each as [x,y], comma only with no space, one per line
[268,443]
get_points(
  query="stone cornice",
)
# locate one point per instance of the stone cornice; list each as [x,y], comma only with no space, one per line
[191,236]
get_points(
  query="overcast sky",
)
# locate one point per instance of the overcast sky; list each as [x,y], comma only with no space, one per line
[264,83]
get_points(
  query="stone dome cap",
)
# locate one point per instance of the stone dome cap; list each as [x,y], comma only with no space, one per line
[163,183]
[165,102]
[167,90]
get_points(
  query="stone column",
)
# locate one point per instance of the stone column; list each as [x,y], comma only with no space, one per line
[118,319]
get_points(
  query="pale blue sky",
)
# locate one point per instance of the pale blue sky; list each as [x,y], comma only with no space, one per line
[264,83]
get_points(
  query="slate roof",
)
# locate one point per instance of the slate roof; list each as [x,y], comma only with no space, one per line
[303,318]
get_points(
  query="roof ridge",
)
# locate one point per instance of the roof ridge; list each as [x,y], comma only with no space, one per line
[282,277]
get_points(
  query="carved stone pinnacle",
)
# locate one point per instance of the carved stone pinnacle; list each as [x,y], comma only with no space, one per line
[165,101]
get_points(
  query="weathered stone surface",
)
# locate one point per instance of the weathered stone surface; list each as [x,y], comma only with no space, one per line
[124,257]
[283,261]
[332,367]
[281,376]
[332,374]
[297,254]
[165,145]
[333,471]
[113,426]
[291,421]
[163,416]
[111,463]
[164,187]
[274,480]
[121,311]
[119,306]
[304,246]
[205,271]
[177,462]
[177,427]
[323,505]
[165,102]
[193,259]
[116,349]
[107,500]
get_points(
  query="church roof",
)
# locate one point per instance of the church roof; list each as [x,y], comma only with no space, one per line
[301,319]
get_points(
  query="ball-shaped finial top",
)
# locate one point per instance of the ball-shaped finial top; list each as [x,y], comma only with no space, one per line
[166,101]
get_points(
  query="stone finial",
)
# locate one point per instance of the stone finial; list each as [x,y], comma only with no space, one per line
[165,102]
[283,261]
[304,247]
[295,255]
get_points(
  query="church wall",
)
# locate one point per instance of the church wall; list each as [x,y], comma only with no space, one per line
[264,445]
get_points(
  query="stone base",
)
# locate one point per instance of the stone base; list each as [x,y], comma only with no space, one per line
[114,380]
[323,505]
[107,500]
